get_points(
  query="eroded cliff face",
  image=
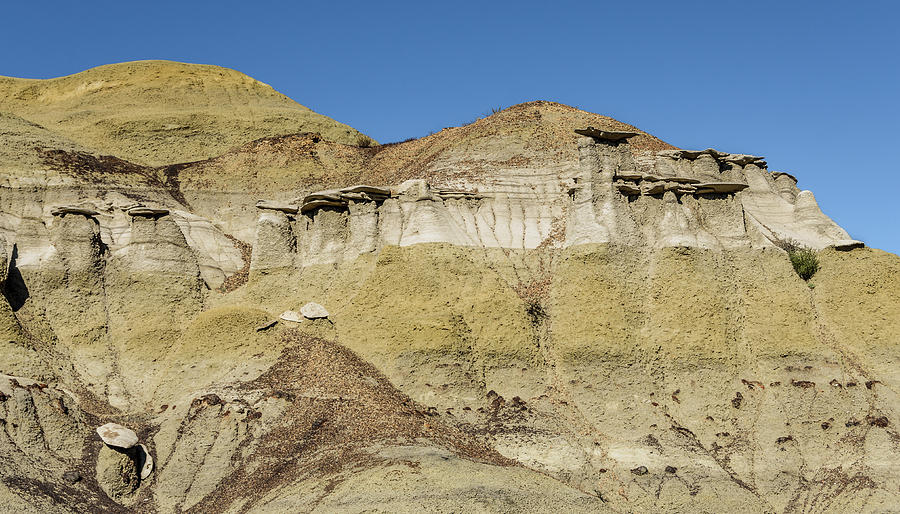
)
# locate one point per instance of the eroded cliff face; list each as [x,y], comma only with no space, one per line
[518,320]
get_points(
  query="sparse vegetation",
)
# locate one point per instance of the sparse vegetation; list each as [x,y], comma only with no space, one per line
[803,259]
[535,311]
[805,262]
[364,141]
[535,294]
[407,140]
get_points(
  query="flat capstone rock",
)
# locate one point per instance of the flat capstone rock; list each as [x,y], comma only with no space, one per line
[116,435]
[147,211]
[69,209]
[607,135]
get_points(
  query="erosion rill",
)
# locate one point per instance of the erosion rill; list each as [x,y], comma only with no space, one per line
[545,309]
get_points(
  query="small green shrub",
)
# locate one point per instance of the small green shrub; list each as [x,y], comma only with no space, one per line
[803,258]
[364,141]
[805,262]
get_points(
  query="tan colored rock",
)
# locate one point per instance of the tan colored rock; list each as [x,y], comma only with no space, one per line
[150,212]
[267,325]
[848,244]
[632,175]
[311,205]
[653,188]
[372,191]
[275,245]
[117,473]
[313,310]
[4,261]
[73,209]
[277,206]
[293,316]
[720,187]
[743,159]
[628,189]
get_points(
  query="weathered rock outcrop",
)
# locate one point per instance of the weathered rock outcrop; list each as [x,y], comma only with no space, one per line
[704,199]
[521,316]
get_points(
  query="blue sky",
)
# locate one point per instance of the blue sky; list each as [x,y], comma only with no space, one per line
[813,86]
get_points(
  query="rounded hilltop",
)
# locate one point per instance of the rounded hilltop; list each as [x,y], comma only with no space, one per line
[535,136]
[162,112]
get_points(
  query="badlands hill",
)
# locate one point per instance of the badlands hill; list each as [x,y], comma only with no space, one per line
[162,112]
[545,309]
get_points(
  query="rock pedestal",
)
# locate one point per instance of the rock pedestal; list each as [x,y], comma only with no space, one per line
[117,472]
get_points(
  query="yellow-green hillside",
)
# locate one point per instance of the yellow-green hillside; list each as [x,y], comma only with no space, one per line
[162,112]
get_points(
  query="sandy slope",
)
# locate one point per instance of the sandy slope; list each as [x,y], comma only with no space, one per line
[162,112]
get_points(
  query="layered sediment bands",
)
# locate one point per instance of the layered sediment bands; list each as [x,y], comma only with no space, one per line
[722,365]
[153,289]
[517,317]
[707,199]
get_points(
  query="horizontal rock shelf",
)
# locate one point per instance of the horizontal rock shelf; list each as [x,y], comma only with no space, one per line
[70,209]
[720,187]
[341,198]
[149,212]
[847,244]
[453,194]
[277,206]
[606,135]
[733,158]
[655,187]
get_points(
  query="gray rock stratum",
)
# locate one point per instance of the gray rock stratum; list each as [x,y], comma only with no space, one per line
[543,310]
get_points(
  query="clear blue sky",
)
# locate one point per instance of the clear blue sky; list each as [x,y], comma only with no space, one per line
[813,86]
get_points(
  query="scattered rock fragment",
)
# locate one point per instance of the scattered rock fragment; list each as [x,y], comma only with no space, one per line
[671,469]
[291,316]
[145,461]
[71,476]
[640,470]
[116,435]
[313,310]
[266,326]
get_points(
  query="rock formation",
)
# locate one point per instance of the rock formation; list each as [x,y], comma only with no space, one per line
[116,435]
[546,309]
